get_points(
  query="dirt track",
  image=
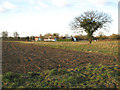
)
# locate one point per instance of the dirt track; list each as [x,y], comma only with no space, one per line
[17,57]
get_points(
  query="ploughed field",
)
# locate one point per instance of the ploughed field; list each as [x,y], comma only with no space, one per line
[19,57]
[60,65]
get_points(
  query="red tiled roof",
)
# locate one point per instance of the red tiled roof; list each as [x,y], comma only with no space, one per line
[36,37]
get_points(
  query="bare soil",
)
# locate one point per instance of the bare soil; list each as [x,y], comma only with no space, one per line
[22,58]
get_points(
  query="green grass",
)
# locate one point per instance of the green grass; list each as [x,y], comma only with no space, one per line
[66,40]
[104,47]
[99,76]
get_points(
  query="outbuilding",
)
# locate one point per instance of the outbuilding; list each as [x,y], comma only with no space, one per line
[50,38]
[37,38]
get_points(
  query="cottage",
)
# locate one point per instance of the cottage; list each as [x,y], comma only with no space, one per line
[50,38]
[37,38]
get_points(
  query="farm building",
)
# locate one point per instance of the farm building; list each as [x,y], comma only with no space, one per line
[50,38]
[37,38]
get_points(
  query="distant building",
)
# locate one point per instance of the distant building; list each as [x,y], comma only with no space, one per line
[50,38]
[74,39]
[37,38]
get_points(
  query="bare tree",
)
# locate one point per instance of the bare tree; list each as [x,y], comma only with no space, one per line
[15,34]
[4,34]
[90,22]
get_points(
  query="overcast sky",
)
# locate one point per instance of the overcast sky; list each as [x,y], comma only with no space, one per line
[35,17]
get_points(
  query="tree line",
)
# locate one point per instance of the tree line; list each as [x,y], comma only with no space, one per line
[66,37]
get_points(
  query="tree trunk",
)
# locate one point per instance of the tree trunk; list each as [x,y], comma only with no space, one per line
[90,40]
